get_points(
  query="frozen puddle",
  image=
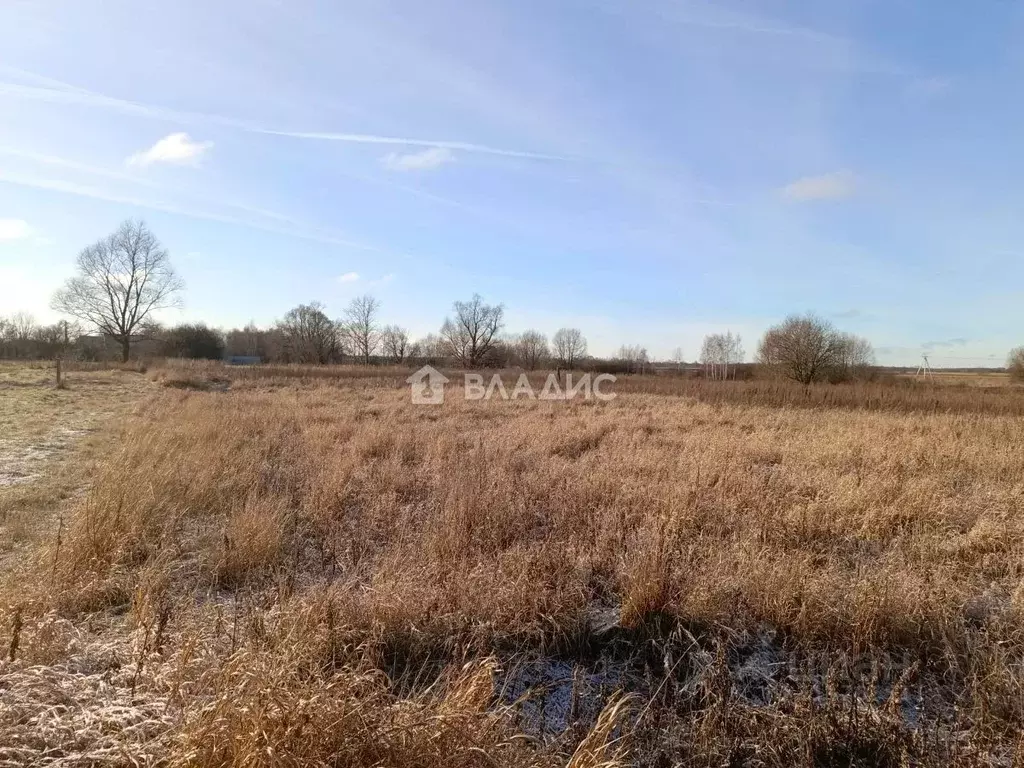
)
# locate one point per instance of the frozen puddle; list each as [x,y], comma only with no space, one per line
[551,696]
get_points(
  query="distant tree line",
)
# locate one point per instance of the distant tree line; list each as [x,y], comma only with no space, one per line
[805,349]
[472,336]
[124,278]
[22,338]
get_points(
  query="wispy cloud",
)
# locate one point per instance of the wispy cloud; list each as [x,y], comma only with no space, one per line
[827,50]
[383,280]
[137,180]
[14,229]
[959,341]
[848,314]
[829,186]
[177,149]
[349,277]
[65,93]
[287,228]
[425,160]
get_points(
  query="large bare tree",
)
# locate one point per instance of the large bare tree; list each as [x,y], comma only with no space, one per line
[569,345]
[308,335]
[808,349]
[122,279]
[531,347]
[472,334]
[359,326]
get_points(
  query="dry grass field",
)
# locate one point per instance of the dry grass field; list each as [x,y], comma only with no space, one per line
[41,429]
[273,566]
[967,378]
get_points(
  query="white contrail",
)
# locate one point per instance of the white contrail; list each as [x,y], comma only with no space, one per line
[65,93]
[137,179]
[95,193]
[363,138]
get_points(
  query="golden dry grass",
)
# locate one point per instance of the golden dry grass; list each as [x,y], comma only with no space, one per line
[308,569]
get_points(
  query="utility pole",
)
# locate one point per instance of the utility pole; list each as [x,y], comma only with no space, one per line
[924,370]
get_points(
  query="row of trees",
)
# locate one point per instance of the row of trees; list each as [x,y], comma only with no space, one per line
[125,277]
[22,338]
[471,337]
[805,349]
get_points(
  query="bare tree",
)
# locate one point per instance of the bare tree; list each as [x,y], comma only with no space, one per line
[472,334]
[245,342]
[1015,363]
[308,335]
[854,357]
[570,345]
[531,348]
[634,356]
[807,349]
[677,357]
[18,332]
[359,326]
[431,347]
[395,341]
[719,352]
[121,280]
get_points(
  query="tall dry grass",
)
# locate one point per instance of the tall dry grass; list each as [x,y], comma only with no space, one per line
[339,548]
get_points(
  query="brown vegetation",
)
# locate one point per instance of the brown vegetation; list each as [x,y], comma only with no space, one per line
[808,349]
[1015,364]
[298,566]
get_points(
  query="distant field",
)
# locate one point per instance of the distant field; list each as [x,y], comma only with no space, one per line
[297,566]
[964,378]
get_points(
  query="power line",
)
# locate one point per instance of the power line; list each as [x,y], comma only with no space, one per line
[925,368]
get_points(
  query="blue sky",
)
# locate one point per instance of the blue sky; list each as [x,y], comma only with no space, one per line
[646,171]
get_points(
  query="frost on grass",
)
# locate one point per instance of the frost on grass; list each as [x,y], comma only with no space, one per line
[85,710]
[25,463]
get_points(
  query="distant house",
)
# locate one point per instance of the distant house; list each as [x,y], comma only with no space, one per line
[244,360]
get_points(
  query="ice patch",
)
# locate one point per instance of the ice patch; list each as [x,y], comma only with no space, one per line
[552,696]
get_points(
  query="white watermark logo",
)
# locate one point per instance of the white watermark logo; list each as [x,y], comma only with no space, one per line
[428,387]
